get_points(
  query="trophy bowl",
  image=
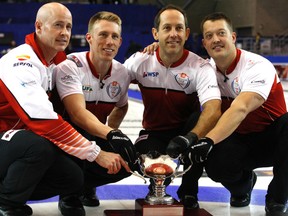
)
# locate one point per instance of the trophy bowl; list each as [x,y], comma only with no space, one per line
[159,169]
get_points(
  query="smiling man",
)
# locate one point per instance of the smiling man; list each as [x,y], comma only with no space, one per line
[174,83]
[33,137]
[252,132]
[93,88]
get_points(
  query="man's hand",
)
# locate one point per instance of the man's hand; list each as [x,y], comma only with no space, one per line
[122,145]
[111,161]
[151,48]
[201,149]
[179,144]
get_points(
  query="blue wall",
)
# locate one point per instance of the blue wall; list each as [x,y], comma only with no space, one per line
[281,60]
[137,21]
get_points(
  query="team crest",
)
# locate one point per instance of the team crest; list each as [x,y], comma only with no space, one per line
[235,86]
[113,89]
[183,80]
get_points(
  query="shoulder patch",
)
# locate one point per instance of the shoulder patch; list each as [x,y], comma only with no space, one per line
[203,61]
[23,57]
[75,60]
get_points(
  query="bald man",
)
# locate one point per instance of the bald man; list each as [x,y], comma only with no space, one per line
[34,139]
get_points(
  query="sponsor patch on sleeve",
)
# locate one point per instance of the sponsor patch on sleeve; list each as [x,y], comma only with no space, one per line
[75,60]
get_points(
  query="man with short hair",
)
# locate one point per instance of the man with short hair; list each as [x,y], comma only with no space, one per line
[252,132]
[33,137]
[93,88]
[175,85]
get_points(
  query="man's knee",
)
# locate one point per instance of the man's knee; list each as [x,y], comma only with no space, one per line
[41,149]
[216,171]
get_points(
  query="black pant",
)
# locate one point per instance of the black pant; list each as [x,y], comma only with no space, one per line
[33,168]
[150,141]
[94,174]
[231,160]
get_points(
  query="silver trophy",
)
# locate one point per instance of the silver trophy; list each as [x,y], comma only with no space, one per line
[159,169]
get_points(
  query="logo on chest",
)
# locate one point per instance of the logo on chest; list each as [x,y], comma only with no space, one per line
[183,80]
[236,86]
[87,88]
[150,74]
[113,89]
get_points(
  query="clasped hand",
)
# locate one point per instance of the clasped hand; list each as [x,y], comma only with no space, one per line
[180,144]
[189,146]
[122,145]
[200,150]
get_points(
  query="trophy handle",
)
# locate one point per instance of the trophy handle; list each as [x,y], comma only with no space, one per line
[135,173]
[186,170]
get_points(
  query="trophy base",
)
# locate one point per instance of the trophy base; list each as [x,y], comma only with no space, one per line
[148,209]
[142,208]
[154,200]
